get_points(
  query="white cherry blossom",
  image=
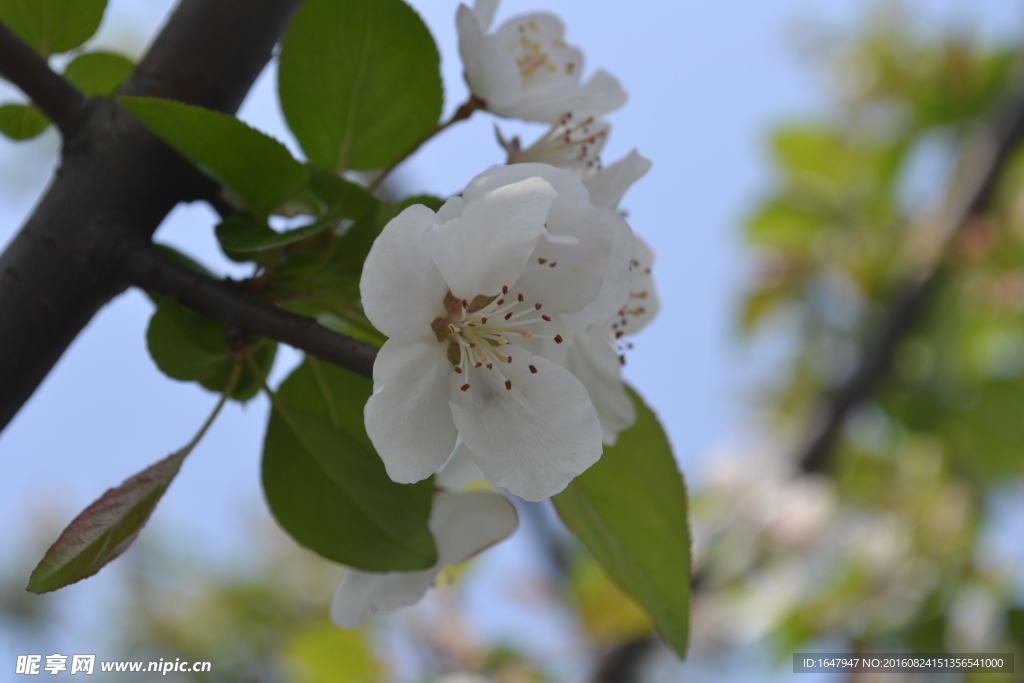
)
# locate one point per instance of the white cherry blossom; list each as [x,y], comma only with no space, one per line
[526,70]
[475,301]
[593,353]
[463,525]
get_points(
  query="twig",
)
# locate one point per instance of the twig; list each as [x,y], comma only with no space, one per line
[233,306]
[54,96]
[984,155]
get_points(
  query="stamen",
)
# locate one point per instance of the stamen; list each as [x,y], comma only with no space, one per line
[457,369]
[553,264]
[490,366]
[520,298]
[558,339]
[542,261]
[483,320]
[533,369]
[464,387]
[547,318]
[509,315]
[504,289]
[537,306]
[508,384]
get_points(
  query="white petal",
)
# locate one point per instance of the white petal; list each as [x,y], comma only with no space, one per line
[539,26]
[465,524]
[643,299]
[359,593]
[614,291]
[609,184]
[600,95]
[407,417]
[569,189]
[460,471]
[535,438]
[484,11]
[401,288]
[491,71]
[488,246]
[592,359]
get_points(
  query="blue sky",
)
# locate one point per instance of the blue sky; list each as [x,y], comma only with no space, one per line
[705,81]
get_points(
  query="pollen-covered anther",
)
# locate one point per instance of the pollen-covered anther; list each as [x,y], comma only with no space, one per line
[478,365]
[558,339]
[464,387]
[547,318]
[542,261]
[538,306]
[553,264]
[509,315]
[457,369]
[520,298]
[533,369]
[490,366]
[504,289]
[508,384]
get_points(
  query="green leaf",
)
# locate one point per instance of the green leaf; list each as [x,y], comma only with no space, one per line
[22,122]
[244,233]
[253,165]
[430,201]
[191,348]
[327,486]
[52,26]
[359,82]
[630,511]
[341,198]
[106,528]
[98,73]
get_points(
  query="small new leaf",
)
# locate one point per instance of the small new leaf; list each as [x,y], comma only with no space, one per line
[98,74]
[52,26]
[252,165]
[106,528]
[22,122]
[630,511]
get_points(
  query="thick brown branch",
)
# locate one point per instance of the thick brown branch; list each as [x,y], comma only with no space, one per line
[232,305]
[116,183]
[23,67]
[984,155]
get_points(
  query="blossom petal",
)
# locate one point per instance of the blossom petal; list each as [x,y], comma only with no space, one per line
[465,524]
[488,246]
[484,11]
[401,288]
[614,289]
[491,71]
[460,471]
[407,417]
[592,359]
[598,96]
[535,438]
[609,184]
[643,299]
[360,592]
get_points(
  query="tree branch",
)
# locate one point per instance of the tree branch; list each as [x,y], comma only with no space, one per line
[235,307]
[982,160]
[54,96]
[116,183]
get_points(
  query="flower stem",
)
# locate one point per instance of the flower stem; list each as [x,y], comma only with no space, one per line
[461,114]
[236,372]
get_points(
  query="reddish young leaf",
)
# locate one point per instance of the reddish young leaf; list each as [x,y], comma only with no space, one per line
[106,528]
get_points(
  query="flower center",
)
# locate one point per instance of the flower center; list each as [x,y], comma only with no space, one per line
[533,56]
[476,330]
[569,141]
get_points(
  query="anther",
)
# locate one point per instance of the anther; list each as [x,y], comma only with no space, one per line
[547,318]
[500,302]
[622,360]
[553,264]
[504,289]
[490,366]
[533,369]
[457,369]
[520,298]
[465,304]
[478,365]
[558,339]
[483,320]
[537,306]
[465,387]
[619,334]
[542,261]
[509,315]
[472,345]
[508,384]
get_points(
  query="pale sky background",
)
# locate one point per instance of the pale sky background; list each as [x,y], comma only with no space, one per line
[705,81]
